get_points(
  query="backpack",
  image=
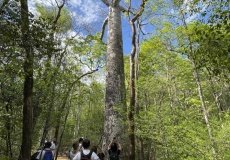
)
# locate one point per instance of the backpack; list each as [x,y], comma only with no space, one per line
[34,156]
[48,155]
[86,157]
[113,156]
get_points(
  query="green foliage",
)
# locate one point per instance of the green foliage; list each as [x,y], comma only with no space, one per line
[4,158]
[214,48]
[49,14]
[89,108]
[89,51]
[177,3]
[171,120]
[209,47]
[11,72]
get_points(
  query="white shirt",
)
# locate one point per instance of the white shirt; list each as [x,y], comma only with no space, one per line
[86,151]
[53,147]
[72,155]
[43,153]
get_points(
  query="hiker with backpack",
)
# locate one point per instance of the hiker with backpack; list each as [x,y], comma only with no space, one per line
[45,153]
[86,153]
[114,149]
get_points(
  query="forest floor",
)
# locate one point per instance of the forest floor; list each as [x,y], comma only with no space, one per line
[62,158]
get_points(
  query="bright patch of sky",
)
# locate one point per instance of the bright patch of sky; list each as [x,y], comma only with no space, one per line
[86,11]
[188,6]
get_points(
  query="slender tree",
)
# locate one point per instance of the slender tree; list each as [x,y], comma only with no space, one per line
[28,85]
[137,106]
[200,89]
[131,108]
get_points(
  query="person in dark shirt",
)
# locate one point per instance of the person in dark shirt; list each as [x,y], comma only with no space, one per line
[114,149]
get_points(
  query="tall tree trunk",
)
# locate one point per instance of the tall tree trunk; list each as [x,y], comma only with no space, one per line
[132,95]
[115,81]
[25,152]
[131,107]
[204,107]
[137,107]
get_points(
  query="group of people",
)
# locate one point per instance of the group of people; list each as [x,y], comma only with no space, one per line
[81,150]
[47,152]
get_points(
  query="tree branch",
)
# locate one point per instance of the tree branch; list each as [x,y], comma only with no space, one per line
[142,7]
[106,2]
[83,75]
[123,9]
[87,73]
[103,28]
[59,11]
[132,23]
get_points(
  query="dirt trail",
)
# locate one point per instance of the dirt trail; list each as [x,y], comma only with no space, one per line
[62,158]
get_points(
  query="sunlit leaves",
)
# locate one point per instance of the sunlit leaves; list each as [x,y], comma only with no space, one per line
[49,14]
[210,45]
[89,51]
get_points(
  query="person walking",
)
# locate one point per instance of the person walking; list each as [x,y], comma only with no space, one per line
[74,150]
[53,146]
[76,147]
[46,153]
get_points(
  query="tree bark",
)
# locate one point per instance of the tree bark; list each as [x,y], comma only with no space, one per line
[115,80]
[131,107]
[141,155]
[132,95]
[204,107]
[25,152]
